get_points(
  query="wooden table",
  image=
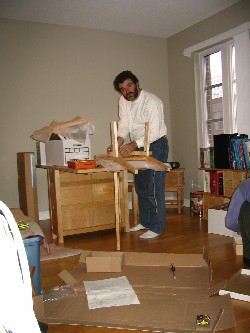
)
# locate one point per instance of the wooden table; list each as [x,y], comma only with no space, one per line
[87,200]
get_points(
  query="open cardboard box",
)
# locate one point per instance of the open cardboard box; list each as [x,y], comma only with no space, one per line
[60,142]
[166,303]
[216,222]
[99,261]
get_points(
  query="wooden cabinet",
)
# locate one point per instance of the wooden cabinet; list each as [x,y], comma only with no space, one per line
[231,180]
[84,201]
[175,183]
[212,200]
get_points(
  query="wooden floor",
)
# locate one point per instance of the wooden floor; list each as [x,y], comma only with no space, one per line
[184,234]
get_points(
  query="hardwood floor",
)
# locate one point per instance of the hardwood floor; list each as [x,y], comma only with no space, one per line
[184,234]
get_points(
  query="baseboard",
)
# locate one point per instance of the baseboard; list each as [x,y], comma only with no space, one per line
[186,202]
[44,216]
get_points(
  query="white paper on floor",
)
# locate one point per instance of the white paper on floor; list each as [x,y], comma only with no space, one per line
[110,292]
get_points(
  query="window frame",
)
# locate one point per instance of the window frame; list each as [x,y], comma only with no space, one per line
[229,104]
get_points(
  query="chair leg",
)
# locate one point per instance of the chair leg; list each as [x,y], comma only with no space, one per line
[135,206]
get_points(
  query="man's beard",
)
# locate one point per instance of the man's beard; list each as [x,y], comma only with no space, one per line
[131,96]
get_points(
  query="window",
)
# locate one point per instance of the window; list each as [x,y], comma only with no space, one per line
[235,58]
[216,95]
[213,95]
[234,49]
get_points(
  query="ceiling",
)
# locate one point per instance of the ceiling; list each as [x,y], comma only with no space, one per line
[156,18]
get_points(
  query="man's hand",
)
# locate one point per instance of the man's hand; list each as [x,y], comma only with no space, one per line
[120,141]
[127,149]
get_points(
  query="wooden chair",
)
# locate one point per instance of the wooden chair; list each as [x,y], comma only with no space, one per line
[146,152]
[128,165]
[135,156]
[135,207]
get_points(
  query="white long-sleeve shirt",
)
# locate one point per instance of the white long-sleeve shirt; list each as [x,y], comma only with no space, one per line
[133,116]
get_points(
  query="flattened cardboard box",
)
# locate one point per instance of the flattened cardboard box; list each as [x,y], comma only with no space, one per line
[166,303]
[238,286]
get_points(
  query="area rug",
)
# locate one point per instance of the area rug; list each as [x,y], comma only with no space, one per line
[57,252]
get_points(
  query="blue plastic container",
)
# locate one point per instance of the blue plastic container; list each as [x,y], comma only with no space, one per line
[32,248]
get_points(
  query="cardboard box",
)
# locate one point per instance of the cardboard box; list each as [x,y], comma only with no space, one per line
[238,286]
[216,223]
[19,215]
[27,185]
[60,142]
[167,303]
[40,153]
[59,152]
[103,261]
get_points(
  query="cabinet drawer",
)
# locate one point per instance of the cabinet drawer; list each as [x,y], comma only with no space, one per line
[174,179]
[214,201]
[228,191]
[210,201]
[234,175]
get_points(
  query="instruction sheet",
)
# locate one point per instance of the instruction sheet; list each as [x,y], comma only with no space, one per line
[110,292]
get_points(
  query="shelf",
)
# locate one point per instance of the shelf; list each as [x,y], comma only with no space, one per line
[231,180]
[216,169]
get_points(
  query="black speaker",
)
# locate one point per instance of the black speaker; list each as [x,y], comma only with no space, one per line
[174,165]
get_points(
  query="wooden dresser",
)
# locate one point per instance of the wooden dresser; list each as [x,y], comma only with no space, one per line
[84,200]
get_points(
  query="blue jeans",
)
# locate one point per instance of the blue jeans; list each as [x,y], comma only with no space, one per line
[150,188]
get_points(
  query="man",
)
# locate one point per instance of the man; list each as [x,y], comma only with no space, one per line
[238,216]
[136,107]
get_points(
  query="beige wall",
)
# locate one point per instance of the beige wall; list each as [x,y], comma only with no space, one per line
[56,72]
[182,87]
[51,72]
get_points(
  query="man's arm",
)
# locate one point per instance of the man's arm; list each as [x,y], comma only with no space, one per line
[127,149]
[234,211]
[120,141]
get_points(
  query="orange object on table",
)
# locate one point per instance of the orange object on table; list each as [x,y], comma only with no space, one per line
[82,164]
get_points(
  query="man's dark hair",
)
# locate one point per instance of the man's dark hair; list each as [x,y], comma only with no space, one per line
[120,78]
